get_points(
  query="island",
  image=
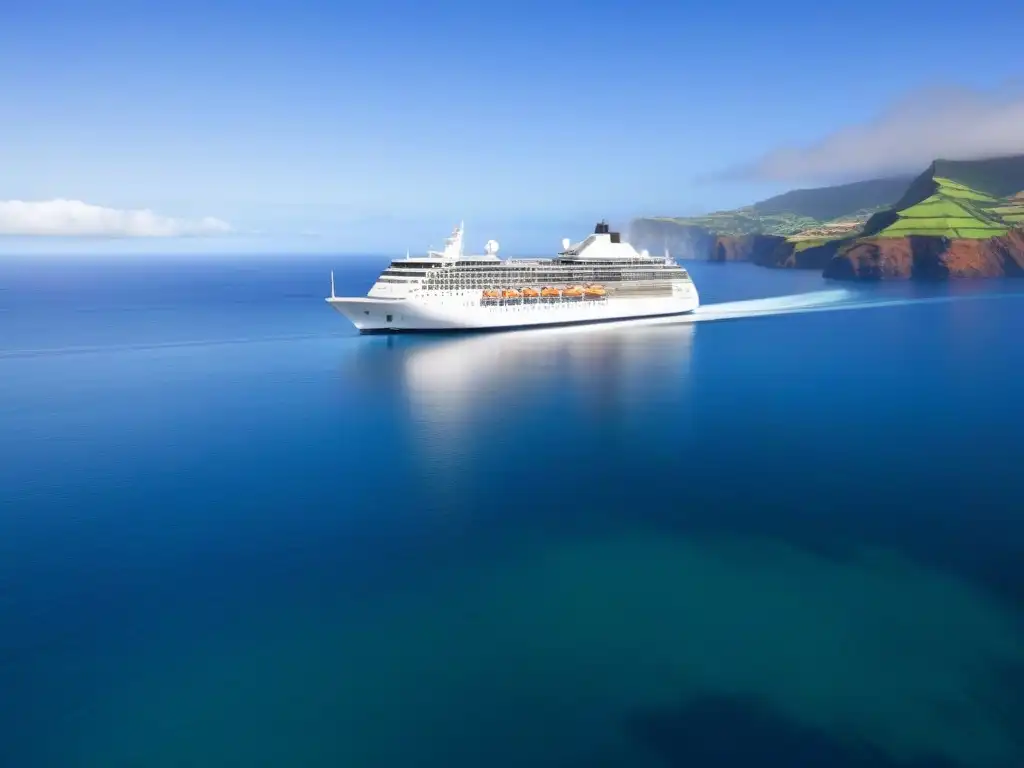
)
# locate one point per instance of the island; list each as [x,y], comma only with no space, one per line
[957,219]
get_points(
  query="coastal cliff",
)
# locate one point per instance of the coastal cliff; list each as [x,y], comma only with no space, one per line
[773,251]
[765,250]
[684,242]
[923,257]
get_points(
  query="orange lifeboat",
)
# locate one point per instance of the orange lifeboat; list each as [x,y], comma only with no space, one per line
[549,293]
[594,291]
[491,294]
[572,292]
[510,294]
[530,293]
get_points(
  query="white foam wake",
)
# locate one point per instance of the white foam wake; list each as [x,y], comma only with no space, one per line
[775,305]
[823,301]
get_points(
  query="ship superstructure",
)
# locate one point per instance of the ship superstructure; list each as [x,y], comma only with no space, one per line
[597,279]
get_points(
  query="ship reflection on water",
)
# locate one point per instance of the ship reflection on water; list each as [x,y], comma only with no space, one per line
[451,382]
[488,410]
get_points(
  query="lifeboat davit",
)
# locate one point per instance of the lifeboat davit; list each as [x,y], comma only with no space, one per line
[530,293]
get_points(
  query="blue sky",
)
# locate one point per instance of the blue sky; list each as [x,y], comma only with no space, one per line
[375,127]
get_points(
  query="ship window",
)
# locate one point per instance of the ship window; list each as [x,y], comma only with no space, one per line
[389,318]
[404,273]
[414,265]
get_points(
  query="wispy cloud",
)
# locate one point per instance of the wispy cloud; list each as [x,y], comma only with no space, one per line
[79,219]
[947,123]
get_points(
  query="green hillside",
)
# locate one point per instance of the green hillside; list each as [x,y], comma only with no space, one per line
[839,202]
[957,199]
[801,209]
[743,221]
[997,176]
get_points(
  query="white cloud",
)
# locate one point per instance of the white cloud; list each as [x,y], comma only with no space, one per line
[939,123]
[75,218]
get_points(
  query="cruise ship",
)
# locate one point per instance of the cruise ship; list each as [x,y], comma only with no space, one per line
[598,279]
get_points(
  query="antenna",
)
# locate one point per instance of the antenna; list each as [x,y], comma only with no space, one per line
[332,285]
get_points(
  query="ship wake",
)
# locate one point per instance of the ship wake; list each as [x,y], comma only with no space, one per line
[776,305]
[820,301]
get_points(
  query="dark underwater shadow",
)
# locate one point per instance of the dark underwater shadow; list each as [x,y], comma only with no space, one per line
[986,553]
[954,527]
[727,732]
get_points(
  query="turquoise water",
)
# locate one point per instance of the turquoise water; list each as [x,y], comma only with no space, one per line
[234,533]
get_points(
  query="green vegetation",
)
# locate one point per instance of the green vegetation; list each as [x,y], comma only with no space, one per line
[745,221]
[1000,177]
[960,191]
[953,210]
[841,202]
[1011,211]
[801,210]
[808,242]
[976,199]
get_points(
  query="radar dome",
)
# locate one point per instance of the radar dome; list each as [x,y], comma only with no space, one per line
[566,242]
[491,248]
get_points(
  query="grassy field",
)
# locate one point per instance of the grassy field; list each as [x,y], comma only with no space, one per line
[802,244]
[1012,212]
[956,211]
[955,189]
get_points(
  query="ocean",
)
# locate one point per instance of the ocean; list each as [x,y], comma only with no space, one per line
[235,533]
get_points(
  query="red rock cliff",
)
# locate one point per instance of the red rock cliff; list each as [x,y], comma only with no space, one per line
[771,251]
[929,258]
[766,250]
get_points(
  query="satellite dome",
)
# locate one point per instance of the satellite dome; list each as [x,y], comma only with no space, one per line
[491,248]
[566,242]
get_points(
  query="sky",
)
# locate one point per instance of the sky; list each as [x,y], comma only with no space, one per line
[299,126]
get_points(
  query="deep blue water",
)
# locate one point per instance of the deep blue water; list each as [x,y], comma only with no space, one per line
[235,533]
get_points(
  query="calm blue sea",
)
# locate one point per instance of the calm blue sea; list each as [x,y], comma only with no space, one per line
[235,533]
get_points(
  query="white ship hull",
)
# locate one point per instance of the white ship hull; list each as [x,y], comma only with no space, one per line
[467,312]
[599,279]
